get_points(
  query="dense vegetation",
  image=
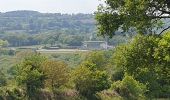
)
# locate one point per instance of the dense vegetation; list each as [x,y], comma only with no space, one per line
[23,28]
[141,16]
[138,68]
[33,28]
[135,71]
[33,22]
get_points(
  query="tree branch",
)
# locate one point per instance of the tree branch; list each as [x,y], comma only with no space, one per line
[159,17]
[163,30]
[164,11]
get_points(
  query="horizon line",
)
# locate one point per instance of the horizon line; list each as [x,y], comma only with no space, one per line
[46,12]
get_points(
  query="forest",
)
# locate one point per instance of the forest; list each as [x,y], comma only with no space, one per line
[23,28]
[137,68]
[26,28]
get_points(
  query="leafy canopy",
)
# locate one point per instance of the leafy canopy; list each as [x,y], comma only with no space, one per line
[146,58]
[141,15]
[3,79]
[3,43]
[57,73]
[88,80]
[30,74]
[129,88]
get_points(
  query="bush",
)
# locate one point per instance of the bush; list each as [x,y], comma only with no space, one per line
[3,79]
[147,59]
[109,95]
[57,73]
[30,75]
[7,52]
[12,93]
[88,80]
[15,94]
[129,88]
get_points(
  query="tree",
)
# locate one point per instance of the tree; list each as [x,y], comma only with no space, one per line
[57,74]
[30,74]
[162,56]
[141,15]
[88,80]
[75,40]
[130,89]
[101,59]
[3,43]
[146,58]
[98,58]
[3,79]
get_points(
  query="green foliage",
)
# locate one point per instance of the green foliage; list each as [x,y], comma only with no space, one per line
[88,80]
[162,56]
[72,60]
[25,28]
[129,88]
[30,75]
[3,79]
[57,74]
[139,52]
[109,95]
[117,74]
[141,59]
[126,15]
[3,43]
[100,59]
[2,93]
[4,51]
[162,53]
[33,22]
[22,28]
[12,93]
[106,23]
[15,94]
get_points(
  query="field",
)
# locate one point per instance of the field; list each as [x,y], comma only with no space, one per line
[7,61]
[62,51]
[72,57]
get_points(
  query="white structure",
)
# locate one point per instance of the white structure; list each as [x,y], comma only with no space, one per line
[95,45]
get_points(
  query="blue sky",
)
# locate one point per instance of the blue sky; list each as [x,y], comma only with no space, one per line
[50,6]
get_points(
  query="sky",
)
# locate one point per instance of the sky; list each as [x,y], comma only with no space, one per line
[50,6]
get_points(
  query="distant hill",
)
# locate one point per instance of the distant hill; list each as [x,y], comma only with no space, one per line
[33,22]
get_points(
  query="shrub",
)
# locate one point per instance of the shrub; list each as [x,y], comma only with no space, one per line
[57,73]
[129,88]
[30,75]
[88,80]
[15,94]
[147,59]
[3,79]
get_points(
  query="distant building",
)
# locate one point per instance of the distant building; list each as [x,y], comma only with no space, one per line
[95,45]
